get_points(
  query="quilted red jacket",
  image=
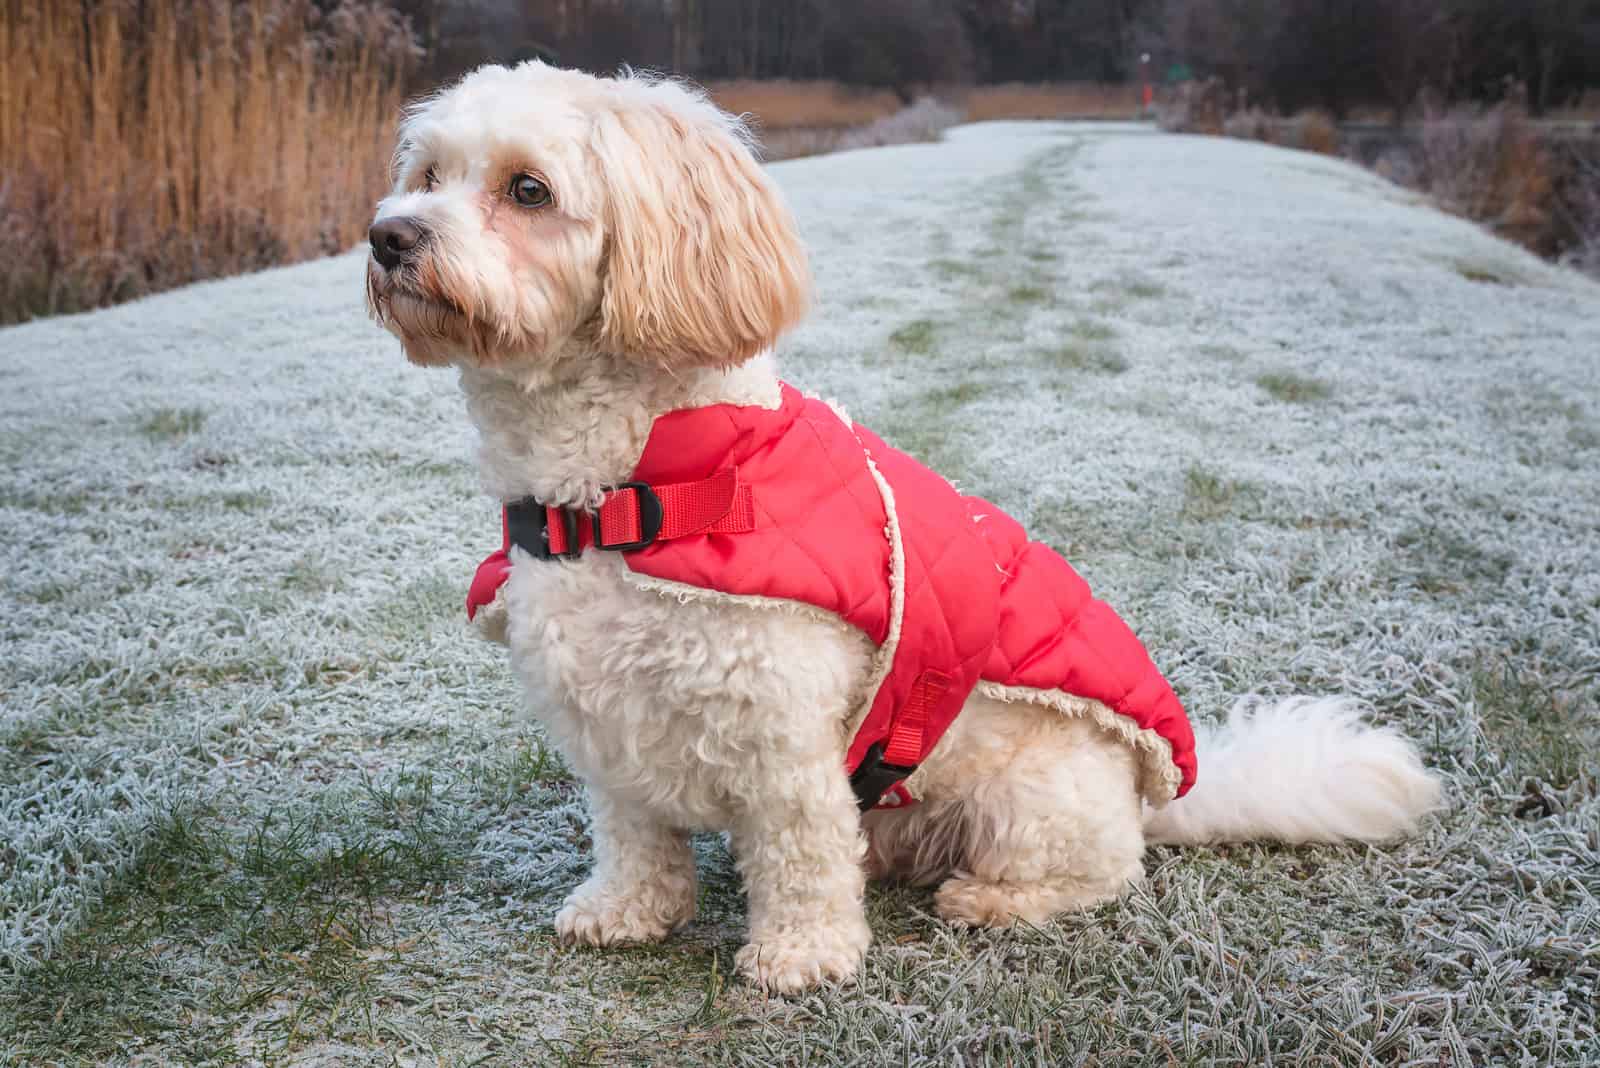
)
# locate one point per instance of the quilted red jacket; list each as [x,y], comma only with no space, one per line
[795,503]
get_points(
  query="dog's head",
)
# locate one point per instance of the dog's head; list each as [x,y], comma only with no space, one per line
[534,207]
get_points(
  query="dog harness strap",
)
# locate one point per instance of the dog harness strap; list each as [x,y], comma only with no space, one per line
[635,515]
[904,745]
[893,759]
[720,504]
[949,583]
[874,777]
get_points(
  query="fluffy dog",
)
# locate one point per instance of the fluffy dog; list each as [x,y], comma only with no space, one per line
[591,253]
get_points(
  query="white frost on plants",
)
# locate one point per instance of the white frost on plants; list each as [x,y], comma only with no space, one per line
[1307,434]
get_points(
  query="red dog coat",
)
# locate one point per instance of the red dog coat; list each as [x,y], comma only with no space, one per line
[797,504]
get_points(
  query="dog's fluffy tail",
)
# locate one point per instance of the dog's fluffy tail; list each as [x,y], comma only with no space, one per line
[1302,770]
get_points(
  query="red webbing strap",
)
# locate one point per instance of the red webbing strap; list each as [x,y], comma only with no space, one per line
[555,529]
[904,745]
[720,504]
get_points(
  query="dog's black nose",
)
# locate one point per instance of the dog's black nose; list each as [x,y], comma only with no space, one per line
[393,240]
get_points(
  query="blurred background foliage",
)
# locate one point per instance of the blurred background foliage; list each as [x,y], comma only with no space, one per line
[149,143]
[1330,54]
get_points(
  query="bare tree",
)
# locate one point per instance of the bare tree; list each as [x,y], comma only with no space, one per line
[1413,51]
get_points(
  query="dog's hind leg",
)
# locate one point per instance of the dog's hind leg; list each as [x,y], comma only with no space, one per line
[1049,815]
[643,884]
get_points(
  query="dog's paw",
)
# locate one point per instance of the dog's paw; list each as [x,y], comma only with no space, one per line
[492,620]
[971,903]
[798,962]
[599,918]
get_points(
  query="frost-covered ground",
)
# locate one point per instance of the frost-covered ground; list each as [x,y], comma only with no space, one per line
[263,800]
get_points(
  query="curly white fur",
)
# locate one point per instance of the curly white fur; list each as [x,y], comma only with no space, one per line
[665,262]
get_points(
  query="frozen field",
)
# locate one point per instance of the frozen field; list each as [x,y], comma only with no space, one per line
[263,799]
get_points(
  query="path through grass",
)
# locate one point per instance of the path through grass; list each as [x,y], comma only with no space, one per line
[263,801]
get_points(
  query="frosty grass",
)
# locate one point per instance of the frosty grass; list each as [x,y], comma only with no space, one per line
[264,801]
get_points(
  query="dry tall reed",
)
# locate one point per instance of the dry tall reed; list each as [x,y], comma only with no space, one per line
[1490,165]
[1309,131]
[1579,207]
[823,105]
[144,145]
[1586,108]
[1051,100]
[787,105]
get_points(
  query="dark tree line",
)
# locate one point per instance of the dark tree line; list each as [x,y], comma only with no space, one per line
[1333,54]
[1336,54]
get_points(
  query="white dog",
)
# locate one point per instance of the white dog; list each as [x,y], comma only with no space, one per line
[592,253]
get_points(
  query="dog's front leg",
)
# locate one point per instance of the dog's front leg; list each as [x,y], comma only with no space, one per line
[800,853]
[643,884]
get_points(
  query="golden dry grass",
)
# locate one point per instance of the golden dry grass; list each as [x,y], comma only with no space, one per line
[1586,108]
[1316,131]
[146,145]
[1309,131]
[786,105]
[1051,100]
[824,105]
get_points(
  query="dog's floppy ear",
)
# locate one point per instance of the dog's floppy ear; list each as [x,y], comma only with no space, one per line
[703,262]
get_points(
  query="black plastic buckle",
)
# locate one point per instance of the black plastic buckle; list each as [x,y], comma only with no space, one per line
[527,523]
[872,777]
[650,516]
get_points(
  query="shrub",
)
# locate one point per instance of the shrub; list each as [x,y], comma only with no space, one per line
[1309,131]
[1250,124]
[148,145]
[1194,107]
[925,120]
[1314,131]
[1488,165]
[1400,166]
[1580,205]
[1585,107]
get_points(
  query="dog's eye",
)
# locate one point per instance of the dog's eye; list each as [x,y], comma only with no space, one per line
[529,191]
